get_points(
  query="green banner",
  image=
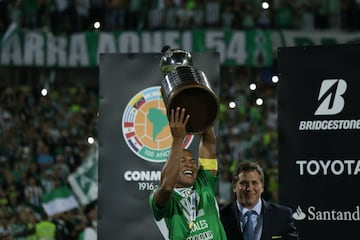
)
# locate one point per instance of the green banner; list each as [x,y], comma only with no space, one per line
[299,38]
[244,48]
[31,48]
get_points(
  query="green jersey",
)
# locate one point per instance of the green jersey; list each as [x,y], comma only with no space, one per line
[191,214]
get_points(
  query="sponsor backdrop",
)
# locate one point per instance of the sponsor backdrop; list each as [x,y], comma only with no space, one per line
[135,139]
[319,122]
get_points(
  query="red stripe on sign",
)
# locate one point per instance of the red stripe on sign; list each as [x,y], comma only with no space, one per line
[130,134]
[128,124]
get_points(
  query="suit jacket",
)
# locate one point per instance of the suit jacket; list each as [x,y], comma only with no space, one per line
[277,222]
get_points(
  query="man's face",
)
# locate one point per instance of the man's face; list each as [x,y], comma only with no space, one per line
[249,188]
[188,170]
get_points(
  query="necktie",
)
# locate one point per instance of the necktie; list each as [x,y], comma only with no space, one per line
[248,227]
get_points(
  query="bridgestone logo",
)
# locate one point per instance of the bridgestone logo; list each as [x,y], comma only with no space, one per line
[330,97]
[350,124]
[331,102]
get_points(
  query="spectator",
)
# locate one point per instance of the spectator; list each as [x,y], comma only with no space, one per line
[44,158]
[82,8]
[154,16]
[171,15]
[199,15]
[284,15]
[307,9]
[248,20]
[334,17]
[212,13]
[227,17]
[61,169]
[47,180]
[90,231]
[30,11]
[33,192]
[322,15]
[115,14]
[45,228]
[134,14]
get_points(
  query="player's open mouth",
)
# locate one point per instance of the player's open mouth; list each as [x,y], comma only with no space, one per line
[188,172]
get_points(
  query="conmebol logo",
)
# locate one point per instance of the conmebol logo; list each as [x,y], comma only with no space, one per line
[330,97]
[145,126]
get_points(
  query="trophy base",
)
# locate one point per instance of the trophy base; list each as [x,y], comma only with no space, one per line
[199,102]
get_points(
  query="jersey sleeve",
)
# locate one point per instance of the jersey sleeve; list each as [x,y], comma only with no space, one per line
[205,178]
[159,213]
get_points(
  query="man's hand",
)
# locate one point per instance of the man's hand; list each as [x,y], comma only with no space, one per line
[177,123]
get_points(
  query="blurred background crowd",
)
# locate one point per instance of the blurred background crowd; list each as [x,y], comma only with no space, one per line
[44,137]
[43,140]
[77,15]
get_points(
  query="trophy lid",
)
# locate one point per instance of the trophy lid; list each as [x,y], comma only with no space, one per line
[173,58]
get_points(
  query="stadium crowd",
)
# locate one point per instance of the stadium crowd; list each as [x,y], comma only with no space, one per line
[43,138]
[68,16]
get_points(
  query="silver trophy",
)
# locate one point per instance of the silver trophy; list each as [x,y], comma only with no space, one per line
[187,87]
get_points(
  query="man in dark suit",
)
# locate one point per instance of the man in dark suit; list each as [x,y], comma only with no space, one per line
[267,220]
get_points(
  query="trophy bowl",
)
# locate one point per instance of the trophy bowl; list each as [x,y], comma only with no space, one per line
[187,87]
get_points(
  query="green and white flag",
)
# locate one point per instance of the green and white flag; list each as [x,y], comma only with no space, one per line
[59,200]
[84,181]
[88,234]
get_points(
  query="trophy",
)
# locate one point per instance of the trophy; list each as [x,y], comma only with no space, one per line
[187,87]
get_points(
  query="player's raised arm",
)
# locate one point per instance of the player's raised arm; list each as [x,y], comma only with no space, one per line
[170,171]
[207,151]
